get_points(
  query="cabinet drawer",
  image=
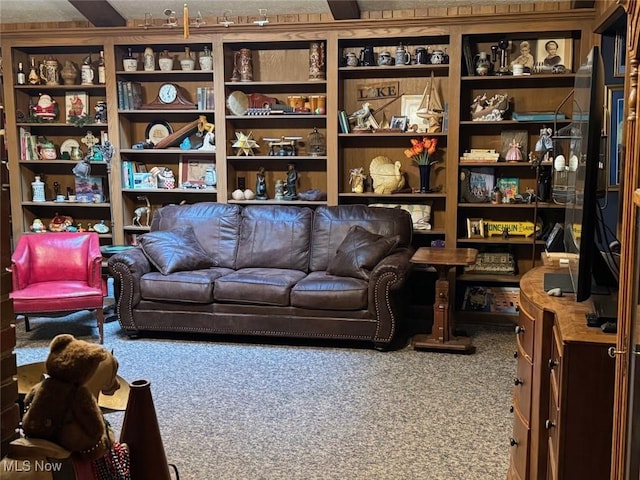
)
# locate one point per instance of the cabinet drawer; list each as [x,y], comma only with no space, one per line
[525,334]
[519,446]
[555,365]
[522,386]
[552,427]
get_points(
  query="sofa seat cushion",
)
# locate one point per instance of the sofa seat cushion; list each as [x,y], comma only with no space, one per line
[322,291]
[194,287]
[264,286]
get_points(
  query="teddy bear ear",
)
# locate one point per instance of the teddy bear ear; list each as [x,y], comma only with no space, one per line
[60,342]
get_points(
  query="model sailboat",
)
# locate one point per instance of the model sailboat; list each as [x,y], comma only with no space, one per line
[431,108]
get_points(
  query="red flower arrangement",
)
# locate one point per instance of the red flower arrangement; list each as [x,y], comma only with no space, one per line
[422,150]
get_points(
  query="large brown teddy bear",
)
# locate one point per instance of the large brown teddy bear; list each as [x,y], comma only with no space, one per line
[63,408]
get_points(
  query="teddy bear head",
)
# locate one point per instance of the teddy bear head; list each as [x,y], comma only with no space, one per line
[73,361]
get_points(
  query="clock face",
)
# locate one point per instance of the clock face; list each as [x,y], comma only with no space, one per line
[168,93]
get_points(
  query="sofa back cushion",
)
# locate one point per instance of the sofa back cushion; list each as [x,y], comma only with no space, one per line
[275,236]
[331,225]
[216,227]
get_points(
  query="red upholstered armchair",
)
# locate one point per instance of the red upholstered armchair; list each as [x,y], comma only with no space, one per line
[58,272]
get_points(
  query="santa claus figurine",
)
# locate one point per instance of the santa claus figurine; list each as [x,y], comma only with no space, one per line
[46,108]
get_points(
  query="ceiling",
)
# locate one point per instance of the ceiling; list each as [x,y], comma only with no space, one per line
[35,11]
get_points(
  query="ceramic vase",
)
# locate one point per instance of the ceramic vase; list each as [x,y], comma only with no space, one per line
[425,178]
[245,65]
[141,433]
[69,73]
[186,61]
[38,190]
[165,62]
[316,61]
[206,60]
[149,60]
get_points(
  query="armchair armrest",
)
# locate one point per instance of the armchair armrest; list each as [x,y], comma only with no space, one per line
[127,268]
[387,279]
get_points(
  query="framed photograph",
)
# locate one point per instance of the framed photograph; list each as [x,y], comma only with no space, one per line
[554,51]
[513,145]
[475,228]
[192,170]
[523,54]
[476,184]
[76,104]
[616,122]
[409,105]
[89,187]
[399,122]
[620,55]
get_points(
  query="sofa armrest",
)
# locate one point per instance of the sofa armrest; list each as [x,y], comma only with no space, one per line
[127,269]
[386,281]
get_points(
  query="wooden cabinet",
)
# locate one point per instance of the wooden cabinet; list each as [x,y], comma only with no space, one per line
[390,91]
[272,108]
[563,393]
[515,221]
[148,111]
[70,122]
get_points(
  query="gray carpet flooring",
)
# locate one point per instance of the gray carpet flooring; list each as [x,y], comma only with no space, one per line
[260,410]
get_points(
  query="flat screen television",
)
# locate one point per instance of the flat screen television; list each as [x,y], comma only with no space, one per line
[588,270]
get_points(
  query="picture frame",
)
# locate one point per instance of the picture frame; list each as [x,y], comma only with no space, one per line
[620,54]
[76,104]
[191,171]
[157,130]
[87,188]
[475,228]
[409,105]
[399,122]
[476,184]
[616,124]
[562,55]
[517,56]
[520,136]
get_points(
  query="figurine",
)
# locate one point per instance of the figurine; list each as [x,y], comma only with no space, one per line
[46,108]
[139,212]
[292,183]
[37,226]
[514,154]
[279,189]
[356,179]
[261,185]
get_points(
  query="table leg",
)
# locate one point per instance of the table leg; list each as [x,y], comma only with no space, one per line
[442,332]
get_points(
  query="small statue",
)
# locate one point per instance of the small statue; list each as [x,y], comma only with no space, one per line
[356,179]
[544,145]
[37,226]
[514,154]
[261,185]
[291,192]
[279,189]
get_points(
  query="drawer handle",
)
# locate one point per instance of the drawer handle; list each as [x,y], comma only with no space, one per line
[548,424]
[513,442]
[519,329]
[552,364]
[613,352]
[515,354]
[517,381]
[511,409]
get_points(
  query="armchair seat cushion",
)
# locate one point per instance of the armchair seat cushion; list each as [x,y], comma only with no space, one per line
[322,291]
[194,286]
[56,296]
[264,286]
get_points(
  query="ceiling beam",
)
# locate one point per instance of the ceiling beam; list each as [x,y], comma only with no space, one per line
[99,12]
[344,9]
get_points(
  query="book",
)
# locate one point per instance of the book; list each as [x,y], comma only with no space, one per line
[143,180]
[343,121]
[508,186]
[537,116]
[479,298]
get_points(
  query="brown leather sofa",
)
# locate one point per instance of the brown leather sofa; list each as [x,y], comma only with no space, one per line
[289,271]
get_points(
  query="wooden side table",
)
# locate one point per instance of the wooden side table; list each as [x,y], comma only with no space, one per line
[442,333]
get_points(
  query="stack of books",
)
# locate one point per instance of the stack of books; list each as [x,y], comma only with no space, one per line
[478,155]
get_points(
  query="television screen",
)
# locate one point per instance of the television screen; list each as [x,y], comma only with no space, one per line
[582,150]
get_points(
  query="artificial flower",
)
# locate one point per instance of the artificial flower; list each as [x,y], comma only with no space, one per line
[422,149]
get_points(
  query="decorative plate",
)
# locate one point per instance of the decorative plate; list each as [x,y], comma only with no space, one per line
[238,103]
[157,130]
[67,145]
